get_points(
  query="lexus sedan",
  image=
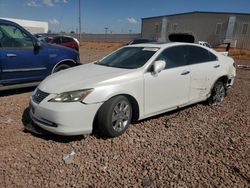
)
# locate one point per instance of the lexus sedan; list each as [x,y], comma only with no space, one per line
[132,83]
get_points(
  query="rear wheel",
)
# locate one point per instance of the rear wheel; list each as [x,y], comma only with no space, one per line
[218,93]
[114,116]
[61,67]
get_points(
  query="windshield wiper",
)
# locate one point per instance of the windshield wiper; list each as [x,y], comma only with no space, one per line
[107,65]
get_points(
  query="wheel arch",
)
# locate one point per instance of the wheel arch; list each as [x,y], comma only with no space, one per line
[134,103]
[135,110]
[223,78]
[69,62]
[135,107]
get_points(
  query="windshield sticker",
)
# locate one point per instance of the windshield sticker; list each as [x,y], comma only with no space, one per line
[150,49]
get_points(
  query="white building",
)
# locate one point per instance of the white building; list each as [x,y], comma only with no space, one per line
[31,26]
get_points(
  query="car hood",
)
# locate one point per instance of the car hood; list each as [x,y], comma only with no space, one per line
[81,77]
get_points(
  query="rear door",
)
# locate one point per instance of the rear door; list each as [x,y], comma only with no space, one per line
[170,88]
[203,67]
[19,62]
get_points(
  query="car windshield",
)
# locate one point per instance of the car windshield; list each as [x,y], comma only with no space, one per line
[129,57]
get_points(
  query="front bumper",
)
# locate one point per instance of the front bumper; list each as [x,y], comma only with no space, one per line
[67,119]
[230,81]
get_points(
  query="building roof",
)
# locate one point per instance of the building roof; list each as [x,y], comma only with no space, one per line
[200,12]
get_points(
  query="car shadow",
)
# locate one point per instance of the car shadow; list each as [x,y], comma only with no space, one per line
[16,91]
[31,128]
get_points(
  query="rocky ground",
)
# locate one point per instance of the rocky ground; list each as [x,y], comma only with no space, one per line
[199,146]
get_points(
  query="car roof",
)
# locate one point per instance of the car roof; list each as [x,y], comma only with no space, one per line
[162,45]
[7,21]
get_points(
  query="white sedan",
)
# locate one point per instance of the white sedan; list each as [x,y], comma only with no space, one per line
[132,83]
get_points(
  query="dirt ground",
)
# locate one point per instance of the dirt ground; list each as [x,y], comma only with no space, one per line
[198,146]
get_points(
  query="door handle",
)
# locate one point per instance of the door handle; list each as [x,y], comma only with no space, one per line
[11,55]
[185,72]
[216,66]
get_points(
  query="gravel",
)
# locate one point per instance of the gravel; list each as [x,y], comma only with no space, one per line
[198,146]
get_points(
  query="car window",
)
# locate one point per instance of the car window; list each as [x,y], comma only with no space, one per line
[129,58]
[66,39]
[212,56]
[48,39]
[199,55]
[57,40]
[174,57]
[13,37]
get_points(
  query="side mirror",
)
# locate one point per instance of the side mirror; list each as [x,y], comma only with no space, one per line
[37,45]
[158,66]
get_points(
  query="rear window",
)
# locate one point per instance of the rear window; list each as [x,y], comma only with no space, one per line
[199,55]
[66,39]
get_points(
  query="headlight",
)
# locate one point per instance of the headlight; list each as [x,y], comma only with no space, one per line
[71,96]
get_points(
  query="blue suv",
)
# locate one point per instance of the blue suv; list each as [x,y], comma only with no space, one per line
[25,61]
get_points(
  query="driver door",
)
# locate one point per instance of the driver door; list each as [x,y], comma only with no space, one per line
[19,62]
[170,88]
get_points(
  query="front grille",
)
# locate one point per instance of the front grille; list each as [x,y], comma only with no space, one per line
[39,96]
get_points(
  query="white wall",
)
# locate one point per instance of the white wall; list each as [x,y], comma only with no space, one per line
[31,26]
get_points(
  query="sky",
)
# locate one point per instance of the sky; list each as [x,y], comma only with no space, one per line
[119,16]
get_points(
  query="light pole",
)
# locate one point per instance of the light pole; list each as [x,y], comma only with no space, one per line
[106,30]
[80,29]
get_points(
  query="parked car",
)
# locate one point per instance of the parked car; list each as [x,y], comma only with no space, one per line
[203,43]
[132,83]
[140,40]
[25,61]
[63,40]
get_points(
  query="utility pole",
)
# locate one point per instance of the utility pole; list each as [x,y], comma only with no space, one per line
[80,30]
[106,30]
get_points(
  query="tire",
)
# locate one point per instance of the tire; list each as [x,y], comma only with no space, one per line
[61,67]
[114,116]
[218,94]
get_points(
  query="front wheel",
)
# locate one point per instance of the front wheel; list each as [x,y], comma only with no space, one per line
[114,116]
[61,67]
[218,93]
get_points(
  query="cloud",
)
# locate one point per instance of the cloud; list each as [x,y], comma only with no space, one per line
[48,3]
[33,3]
[52,3]
[132,20]
[54,21]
